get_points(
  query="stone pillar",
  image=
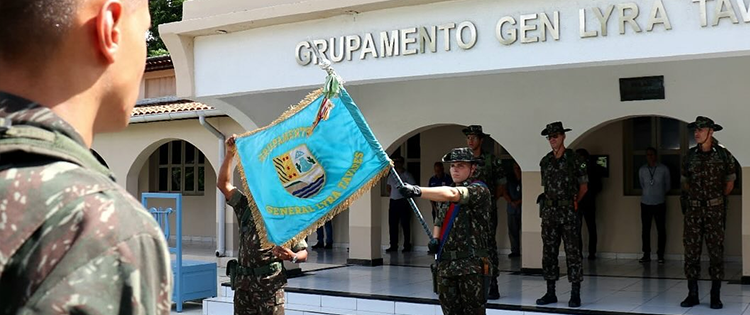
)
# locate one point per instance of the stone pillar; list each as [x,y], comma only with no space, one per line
[531,224]
[745,230]
[232,233]
[364,230]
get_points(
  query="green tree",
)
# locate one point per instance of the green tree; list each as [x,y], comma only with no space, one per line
[162,11]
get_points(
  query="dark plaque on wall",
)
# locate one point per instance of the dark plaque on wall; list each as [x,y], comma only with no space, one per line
[641,89]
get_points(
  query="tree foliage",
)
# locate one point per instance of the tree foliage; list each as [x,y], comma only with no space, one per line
[162,11]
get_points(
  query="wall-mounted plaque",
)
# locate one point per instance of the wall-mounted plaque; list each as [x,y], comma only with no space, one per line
[641,89]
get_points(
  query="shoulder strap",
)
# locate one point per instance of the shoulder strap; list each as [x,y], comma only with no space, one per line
[35,140]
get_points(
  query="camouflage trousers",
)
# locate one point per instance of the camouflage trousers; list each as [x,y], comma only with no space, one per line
[252,303]
[561,224]
[462,294]
[704,224]
[492,243]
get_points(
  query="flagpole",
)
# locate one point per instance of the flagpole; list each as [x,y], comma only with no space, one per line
[412,204]
[332,88]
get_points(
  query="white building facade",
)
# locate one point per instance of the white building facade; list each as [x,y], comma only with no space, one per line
[427,68]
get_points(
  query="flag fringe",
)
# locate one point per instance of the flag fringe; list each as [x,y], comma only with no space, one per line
[253,207]
[343,206]
[293,110]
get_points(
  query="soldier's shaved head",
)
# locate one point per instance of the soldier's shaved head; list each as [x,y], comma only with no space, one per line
[84,59]
[30,30]
[33,25]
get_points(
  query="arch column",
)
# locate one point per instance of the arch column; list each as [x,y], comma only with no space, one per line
[745,230]
[364,230]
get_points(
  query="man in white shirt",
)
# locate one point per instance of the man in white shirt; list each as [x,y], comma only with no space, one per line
[655,182]
[398,209]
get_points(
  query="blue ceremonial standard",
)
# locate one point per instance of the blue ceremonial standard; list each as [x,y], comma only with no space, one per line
[308,166]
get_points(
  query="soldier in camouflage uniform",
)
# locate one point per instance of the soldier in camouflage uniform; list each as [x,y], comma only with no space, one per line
[565,182]
[73,241]
[461,239]
[492,174]
[708,175]
[258,279]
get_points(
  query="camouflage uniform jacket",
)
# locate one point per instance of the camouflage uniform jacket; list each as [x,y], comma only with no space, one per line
[490,171]
[469,230]
[561,178]
[707,173]
[251,255]
[73,241]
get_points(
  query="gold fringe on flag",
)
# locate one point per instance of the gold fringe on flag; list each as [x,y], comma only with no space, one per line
[253,207]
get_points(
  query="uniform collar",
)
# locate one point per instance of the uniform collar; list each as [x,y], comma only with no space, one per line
[21,111]
[714,147]
[467,182]
[565,154]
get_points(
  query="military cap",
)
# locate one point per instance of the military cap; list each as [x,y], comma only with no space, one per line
[475,130]
[555,127]
[461,155]
[704,122]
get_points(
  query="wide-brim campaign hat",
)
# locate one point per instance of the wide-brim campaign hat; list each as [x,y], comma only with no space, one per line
[555,127]
[704,122]
[475,130]
[461,155]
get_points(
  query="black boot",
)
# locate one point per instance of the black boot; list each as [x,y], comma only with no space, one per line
[692,298]
[715,290]
[550,296]
[575,295]
[494,292]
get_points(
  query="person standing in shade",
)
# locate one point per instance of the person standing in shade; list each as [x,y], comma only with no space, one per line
[708,175]
[438,180]
[460,235]
[565,182]
[490,172]
[399,210]
[513,198]
[587,206]
[328,244]
[655,183]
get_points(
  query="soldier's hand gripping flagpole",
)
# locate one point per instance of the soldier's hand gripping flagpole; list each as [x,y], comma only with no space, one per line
[413,205]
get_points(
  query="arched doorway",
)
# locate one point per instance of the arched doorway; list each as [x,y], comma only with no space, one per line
[177,166]
[621,146]
[421,149]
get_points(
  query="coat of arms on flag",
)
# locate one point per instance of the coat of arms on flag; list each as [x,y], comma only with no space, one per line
[309,165]
[299,172]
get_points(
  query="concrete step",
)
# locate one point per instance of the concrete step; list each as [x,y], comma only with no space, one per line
[318,304]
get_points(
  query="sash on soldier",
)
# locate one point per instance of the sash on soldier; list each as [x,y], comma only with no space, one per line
[447,226]
[309,165]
